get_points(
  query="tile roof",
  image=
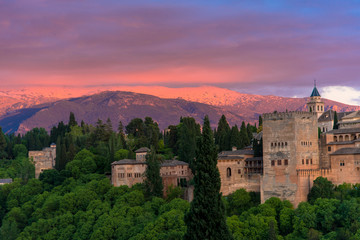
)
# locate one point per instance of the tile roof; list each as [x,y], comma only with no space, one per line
[315,93]
[170,163]
[344,130]
[6,180]
[341,143]
[165,163]
[143,149]
[346,151]
[237,152]
[127,162]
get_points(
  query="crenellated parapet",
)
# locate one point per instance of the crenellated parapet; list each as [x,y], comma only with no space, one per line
[287,115]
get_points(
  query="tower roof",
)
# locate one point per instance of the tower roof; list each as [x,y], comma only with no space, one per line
[315,93]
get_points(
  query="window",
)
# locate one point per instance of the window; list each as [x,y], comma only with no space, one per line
[239,171]
[228,172]
[342,163]
[307,161]
[272,144]
[286,162]
[285,143]
[311,161]
[129,174]
[272,163]
[279,162]
[238,162]
[302,161]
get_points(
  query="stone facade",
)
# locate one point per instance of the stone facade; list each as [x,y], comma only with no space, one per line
[239,169]
[290,143]
[44,159]
[130,171]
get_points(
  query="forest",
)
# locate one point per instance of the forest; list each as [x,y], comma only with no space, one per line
[77,201]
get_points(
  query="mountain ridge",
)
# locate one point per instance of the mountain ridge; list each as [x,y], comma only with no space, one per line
[239,106]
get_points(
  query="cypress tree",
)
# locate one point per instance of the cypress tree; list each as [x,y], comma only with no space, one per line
[244,136]
[121,144]
[3,144]
[335,121]
[222,137]
[188,131]
[72,121]
[206,217]
[153,181]
[235,140]
[260,120]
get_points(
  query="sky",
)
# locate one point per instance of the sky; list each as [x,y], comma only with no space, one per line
[250,46]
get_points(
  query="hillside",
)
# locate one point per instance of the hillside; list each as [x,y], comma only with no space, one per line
[23,107]
[118,106]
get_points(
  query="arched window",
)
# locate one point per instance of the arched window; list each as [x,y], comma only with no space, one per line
[335,139]
[318,108]
[228,172]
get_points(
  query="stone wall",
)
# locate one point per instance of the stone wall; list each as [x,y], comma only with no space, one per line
[290,143]
[127,174]
[43,160]
[233,177]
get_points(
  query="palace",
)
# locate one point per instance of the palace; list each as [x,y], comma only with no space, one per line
[295,153]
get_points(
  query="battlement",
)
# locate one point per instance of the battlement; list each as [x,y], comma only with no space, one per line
[324,172]
[287,115]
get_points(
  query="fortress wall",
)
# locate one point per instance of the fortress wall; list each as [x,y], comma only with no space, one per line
[298,132]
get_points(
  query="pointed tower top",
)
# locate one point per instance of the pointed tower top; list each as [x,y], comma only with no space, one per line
[315,92]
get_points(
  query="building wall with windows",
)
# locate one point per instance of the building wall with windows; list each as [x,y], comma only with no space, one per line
[290,143]
[43,160]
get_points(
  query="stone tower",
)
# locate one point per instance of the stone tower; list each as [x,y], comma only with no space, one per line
[315,104]
[290,145]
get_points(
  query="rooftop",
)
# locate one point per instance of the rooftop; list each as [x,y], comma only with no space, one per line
[6,180]
[237,152]
[143,149]
[165,163]
[315,93]
[346,151]
[344,130]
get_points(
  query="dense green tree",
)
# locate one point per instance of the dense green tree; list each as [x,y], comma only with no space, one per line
[153,180]
[188,131]
[245,140]
[235,140]
[206,217]
[72,121]
[322,188]
[335,126]
[3,144]
[121,143]
[222,136]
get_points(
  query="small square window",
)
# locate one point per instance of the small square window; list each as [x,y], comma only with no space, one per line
[329,149]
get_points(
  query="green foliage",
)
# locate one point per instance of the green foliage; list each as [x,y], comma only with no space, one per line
[173,192]
[322,188]
[153,180]
[121,154]
[188,131]
[222,136]
[206,217]
[335,126]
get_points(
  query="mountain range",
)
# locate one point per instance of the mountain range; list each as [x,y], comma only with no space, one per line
[22,110]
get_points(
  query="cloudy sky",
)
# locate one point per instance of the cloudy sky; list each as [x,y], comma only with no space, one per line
[260,47]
